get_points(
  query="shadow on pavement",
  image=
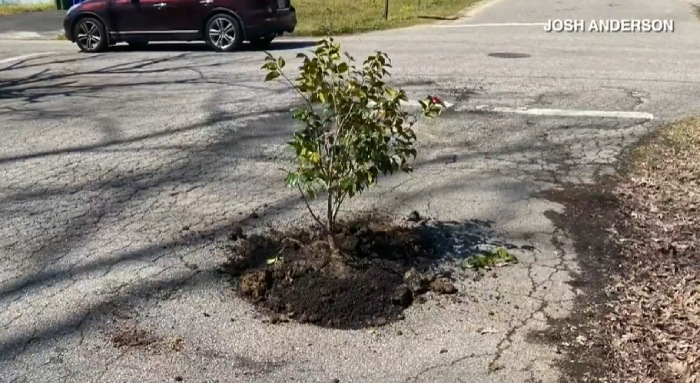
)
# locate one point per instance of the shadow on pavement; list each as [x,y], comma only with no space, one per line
[48,82]
[203,47]
[451,18]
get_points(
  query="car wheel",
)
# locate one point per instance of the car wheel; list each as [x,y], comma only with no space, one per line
[90,35]
[138,44]
[224,33]
[262,42]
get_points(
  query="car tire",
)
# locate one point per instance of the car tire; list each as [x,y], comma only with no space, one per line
[262,42]
[90,35]
[223,33]
[138,44]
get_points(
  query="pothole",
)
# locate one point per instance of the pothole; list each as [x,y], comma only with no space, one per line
[509,55]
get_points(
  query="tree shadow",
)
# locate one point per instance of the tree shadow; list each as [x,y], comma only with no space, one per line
[121,189]
[105,145]
[16,85]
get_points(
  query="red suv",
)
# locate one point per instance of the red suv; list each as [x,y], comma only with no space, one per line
[95,25]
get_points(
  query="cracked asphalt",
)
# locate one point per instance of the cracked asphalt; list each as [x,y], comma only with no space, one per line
[123,172]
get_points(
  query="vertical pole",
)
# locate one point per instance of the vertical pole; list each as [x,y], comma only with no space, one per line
[386,9]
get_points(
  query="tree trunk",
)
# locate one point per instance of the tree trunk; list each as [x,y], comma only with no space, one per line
[329,213]
[331,226]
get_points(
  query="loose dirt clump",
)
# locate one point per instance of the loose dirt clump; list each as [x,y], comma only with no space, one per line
[132,337]
[377,271]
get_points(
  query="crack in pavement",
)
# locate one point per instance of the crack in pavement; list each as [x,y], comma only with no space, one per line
[638,97]
[441,365]
[507,341]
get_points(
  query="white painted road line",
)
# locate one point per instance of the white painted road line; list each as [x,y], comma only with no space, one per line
[489,25]
[23,57]
[570,113]
[416,104]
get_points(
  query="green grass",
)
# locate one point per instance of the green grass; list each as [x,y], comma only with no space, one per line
[13,9]
[334,17]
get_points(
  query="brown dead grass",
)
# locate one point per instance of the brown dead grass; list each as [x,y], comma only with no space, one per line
[654,327]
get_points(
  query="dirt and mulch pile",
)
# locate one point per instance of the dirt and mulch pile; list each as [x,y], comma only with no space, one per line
[654,323]
[379,268]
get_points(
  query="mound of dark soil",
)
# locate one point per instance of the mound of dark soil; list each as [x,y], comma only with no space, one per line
[376,272]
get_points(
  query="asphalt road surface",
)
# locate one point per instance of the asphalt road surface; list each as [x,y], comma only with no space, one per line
[45,25]
[107,159]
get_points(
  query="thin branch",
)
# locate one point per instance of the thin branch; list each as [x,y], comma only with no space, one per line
[306,202]
[295,88]
[339,201]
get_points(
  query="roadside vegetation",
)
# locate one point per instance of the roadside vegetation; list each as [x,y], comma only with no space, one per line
[13,9]
[333,17]
[637,236]
[654,325]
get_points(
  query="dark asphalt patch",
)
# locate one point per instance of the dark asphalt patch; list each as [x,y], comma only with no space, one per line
[590,211]
[509,55]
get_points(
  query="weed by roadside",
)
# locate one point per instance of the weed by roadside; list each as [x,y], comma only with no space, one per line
[489,259]
[333,17]
[13,9]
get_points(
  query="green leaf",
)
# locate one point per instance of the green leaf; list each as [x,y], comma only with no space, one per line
[271,76]
[364,140]
[292,179]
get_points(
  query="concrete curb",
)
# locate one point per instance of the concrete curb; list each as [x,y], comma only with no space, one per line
[26,35]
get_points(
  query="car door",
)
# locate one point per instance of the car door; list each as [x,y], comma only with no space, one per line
[138,17]
[185,16]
